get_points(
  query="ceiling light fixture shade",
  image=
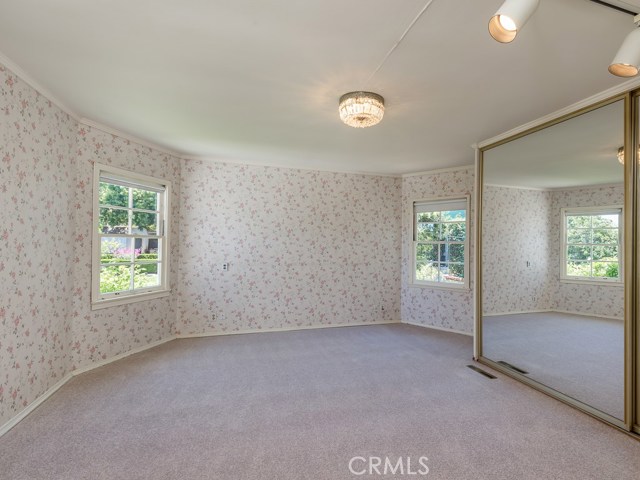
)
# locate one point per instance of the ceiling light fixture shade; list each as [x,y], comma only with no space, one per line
[361,109]
[621,155]
[510,18]
[627,61]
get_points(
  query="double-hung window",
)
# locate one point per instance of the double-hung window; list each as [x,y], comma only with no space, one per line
[592,244]
[440,243]
[130,239]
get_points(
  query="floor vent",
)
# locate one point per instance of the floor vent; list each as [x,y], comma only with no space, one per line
[511,367]
[481,372]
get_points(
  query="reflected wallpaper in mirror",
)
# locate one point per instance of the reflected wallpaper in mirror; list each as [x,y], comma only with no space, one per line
[552,257]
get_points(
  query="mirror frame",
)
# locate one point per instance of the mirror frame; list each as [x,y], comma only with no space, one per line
[631,266]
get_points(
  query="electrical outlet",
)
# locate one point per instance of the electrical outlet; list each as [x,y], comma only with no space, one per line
[225,267]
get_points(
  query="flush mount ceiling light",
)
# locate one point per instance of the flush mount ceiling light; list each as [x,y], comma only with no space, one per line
[626,63]
[510,18]
[361,109]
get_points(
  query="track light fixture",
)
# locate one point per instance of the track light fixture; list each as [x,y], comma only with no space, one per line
[510,18]
[626,63]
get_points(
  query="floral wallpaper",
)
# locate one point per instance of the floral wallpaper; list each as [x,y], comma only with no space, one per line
[37,243]
[100,334]
[596,300]
[437,307]
[47,328]
[521,225]
[303,248]
[516,241]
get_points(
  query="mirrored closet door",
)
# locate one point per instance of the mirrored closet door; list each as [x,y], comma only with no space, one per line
[553,232]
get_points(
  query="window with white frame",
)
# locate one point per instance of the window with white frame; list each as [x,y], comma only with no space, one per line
[130,243]
[592,244]
[440,243]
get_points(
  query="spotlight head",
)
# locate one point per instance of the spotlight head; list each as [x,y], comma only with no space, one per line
[626,63]
[510,18]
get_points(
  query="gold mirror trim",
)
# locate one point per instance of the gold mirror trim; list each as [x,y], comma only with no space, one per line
[631,421]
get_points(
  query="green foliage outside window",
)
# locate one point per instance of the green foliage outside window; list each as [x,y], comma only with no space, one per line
[118,196]
[440,240]
[592,246]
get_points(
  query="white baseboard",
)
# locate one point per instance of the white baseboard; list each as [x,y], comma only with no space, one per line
[589,315]
[33,405]
[283,329]
[519,312]
[115,358]
[38,401]
[554,311]
[442,329]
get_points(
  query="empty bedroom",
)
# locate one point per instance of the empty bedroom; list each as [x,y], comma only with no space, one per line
[319,240]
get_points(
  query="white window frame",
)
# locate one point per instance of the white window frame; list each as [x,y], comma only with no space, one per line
[604,210]
[104,300]
[440,203]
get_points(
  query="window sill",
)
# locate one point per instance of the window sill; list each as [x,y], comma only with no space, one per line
[124,300]
[440,286]
[591,282]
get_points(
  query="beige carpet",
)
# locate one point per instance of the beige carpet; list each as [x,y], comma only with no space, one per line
[578,355]
[300,405]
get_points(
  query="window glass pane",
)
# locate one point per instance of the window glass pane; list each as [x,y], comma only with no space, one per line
[579,252]
[579,235]
[578,221]
[145,199]
[429,217]
[427,272]
[144,223]
[606,236]
[453,215]
[579,269]
[115,278]
[608,253]
[453,232]
[113,195]
[456,253]
[440,253]
[426,253]
[452,273]
[146,275]
[428,232]
[113,220]
[606,269]
[116,250]
[605,221]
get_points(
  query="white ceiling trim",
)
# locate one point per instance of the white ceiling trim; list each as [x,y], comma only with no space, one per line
[554,189]
[143,143]
[436,172]
[26,78]
[520,187]
[285,167]
[611,92]
[29,80]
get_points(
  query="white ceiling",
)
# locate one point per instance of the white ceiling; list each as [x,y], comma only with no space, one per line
[259,82]
[579,151]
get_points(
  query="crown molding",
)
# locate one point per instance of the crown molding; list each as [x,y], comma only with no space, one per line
[46,93]
[28,79]
[598,97]
[438,171]
[233,161]
[132,138]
